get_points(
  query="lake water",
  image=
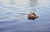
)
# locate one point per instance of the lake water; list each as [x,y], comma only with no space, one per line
[13,16]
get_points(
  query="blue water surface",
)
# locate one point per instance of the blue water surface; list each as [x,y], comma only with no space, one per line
[14,19]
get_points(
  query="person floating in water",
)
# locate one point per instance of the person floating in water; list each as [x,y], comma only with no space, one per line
[32,15]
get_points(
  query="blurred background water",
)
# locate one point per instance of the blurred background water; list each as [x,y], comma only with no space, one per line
[13,15]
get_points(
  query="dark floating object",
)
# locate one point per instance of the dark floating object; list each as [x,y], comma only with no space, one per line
[32,16]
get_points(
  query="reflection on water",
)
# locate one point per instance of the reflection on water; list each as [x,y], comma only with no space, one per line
[32,19]
[33,3]
[13,15]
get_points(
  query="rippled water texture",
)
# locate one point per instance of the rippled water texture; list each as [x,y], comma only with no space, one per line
[13,15]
